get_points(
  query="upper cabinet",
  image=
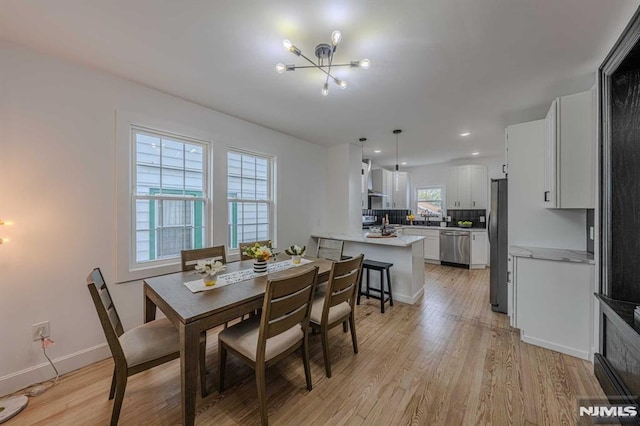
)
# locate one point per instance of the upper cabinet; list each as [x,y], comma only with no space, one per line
[401,191]
[395,196]
[466,187]
[569,153]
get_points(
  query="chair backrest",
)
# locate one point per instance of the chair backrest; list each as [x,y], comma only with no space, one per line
[244,245]
[109,318]
[287,304]
[191,257]
[330,249]
[343,284]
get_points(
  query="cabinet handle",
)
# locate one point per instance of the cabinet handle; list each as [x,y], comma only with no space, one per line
[473,237]
[474,204]
[503,167]
[546,199]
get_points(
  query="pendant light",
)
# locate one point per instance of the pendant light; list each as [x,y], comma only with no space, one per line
[395,174]
[362,182]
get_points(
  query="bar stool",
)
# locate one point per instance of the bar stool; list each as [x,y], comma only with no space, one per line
[382,267]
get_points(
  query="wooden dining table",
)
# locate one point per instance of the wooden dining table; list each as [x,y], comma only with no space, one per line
[195,313]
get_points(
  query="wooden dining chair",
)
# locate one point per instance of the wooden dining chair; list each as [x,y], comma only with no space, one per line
[283,327]
[244,245]
[338,304]
[189,259]
[330,249]
[135,350]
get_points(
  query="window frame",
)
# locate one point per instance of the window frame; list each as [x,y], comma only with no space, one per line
[442,200]
[270,201]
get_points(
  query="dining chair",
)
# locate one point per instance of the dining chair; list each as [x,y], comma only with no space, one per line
[135,350]
[282,328]
[244,245]
[330,249]
[338,304]
[189,259]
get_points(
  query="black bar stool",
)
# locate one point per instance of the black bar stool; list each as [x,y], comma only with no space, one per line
[382,267]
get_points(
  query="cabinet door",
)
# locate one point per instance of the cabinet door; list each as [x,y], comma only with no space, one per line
[464,187]
[478,248]
[432,245]
[550,156]
[400,192]
[451,185]
[388,183]
[479,184]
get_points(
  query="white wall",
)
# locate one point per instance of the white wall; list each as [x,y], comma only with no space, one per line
[344,208]
[436,174]
[57,183]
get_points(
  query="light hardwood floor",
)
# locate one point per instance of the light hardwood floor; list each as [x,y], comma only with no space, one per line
[447,360]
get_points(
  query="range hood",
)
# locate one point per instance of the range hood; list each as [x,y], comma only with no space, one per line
[372,193]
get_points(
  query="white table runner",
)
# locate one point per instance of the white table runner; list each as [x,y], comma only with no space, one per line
[244,275]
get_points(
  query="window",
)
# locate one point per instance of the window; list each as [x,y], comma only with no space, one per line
[249,195]
[429,201]
[169,198]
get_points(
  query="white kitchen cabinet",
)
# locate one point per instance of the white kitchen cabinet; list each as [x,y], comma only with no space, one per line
[365,186]
[401,191]
[478,249]
[382,182]
[466,187]
[569,153]
[551,304]
[431,241]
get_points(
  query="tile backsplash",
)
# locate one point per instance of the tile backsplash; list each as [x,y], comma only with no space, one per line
[468,215]
[399,217]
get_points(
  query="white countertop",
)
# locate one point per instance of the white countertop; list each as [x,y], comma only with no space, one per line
[440,228]
[543,253]
[399,241]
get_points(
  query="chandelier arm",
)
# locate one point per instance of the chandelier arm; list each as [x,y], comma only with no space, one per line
[323,66]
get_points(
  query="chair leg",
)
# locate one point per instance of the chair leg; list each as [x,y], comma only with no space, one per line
[344,326]
[113,384]
[305,360]
[368,281]
[222,365]
[261,383]
[325,350]
[354,339]
[121,384]
[381,292]
[203,364]
[359,289]
[389,287]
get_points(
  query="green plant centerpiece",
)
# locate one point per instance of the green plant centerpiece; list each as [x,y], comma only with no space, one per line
[296,252]
[209,269]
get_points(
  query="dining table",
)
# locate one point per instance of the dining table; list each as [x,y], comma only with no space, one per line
[195,313]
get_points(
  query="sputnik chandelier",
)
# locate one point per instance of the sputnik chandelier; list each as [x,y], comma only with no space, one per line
[324,52]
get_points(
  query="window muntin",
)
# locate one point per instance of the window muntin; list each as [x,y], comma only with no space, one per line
[249,195]
[169,195]
[429,201]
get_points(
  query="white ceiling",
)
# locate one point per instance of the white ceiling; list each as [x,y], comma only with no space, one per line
[439,67]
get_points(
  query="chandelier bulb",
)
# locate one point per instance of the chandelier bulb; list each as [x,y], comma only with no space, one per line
[336,36]
[341,83]
[280,68]
[325,89]
[365,64]
[287,44]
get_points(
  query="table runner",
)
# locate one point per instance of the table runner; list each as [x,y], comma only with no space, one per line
[246,274]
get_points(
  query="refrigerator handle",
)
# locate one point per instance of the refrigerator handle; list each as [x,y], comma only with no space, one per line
[489,228]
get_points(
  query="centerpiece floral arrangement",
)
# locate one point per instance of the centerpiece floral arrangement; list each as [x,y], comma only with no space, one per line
[296,252]
[209,268]
[258,252]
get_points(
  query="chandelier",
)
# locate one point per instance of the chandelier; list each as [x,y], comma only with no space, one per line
[324,52]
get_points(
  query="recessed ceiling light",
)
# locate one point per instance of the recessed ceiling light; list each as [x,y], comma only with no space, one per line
[475,153]
[465,134]
[377,151]
[404,163]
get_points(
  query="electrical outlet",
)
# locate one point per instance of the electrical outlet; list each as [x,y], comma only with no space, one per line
[40,330]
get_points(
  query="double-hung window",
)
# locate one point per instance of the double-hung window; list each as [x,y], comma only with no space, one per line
[249,197]
[429,201]
[170,198]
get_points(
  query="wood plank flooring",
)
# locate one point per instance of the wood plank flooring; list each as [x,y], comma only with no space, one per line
[448,360]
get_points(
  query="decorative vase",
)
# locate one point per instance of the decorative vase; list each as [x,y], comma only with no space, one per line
[296,259]
[210,280]
[259,266]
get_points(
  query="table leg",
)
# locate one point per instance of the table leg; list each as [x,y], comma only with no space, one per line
[149,310]
[189,341]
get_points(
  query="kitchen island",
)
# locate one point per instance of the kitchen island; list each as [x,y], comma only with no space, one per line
[406,252]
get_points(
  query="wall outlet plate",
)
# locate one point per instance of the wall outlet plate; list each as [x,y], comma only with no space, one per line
[40,330]
[481,219]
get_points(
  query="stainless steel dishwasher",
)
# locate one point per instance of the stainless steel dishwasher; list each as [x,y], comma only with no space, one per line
[455,247]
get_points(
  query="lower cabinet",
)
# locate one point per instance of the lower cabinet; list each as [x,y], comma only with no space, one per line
[552,304]
[431,244]
[478,249]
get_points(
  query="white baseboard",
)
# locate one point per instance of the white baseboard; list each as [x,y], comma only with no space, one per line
[43,371]
[555,347]
[410,300]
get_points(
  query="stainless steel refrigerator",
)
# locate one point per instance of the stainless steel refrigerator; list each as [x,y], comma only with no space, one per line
[499,245]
